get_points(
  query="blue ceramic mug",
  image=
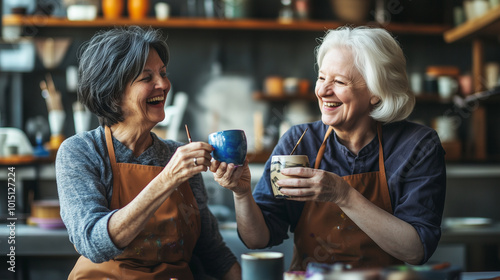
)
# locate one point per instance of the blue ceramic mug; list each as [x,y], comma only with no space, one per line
[230,146]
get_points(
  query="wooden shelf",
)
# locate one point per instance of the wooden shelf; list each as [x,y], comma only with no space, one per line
[421,98]
[489,96]
[485,25]
[26,160]
[203,23]
[476,31]
[283,98]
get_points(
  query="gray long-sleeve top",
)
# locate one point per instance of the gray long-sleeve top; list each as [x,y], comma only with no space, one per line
[85,185]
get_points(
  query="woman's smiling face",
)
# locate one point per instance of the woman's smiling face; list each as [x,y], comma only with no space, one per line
[343,97]
[144,99]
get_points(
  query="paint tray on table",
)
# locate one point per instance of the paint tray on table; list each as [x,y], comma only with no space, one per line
[431,271]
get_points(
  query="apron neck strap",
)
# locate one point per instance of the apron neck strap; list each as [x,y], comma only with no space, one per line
[381,165]
[321,150]
[109,144]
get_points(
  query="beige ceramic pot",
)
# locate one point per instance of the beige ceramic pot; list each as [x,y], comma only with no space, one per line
[351,11]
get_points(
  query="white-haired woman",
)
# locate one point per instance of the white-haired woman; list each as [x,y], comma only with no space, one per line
[376,194]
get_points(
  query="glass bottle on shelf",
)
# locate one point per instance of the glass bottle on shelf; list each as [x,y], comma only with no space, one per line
[302,9]
[286,12]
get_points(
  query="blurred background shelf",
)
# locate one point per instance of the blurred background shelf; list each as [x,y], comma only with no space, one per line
[204,23]
[283,98]
[486,25]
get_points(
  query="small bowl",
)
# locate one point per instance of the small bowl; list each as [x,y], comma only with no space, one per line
[46,209]
[230,146]
[82,12]
[351,11]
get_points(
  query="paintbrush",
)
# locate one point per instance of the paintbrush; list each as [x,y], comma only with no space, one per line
[298,142]
[188,134]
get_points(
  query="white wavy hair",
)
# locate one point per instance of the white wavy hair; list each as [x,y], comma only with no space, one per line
[380,60]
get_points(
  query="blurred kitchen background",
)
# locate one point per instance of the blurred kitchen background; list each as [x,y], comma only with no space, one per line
[248,64]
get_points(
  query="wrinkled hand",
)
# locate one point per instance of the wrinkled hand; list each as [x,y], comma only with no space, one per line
[182,165]
[313,184]
[231,177]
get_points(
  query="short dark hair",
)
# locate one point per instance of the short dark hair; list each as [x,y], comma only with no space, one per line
[110,60]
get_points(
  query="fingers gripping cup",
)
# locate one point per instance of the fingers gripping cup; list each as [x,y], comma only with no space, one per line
[230,146]
[279,163]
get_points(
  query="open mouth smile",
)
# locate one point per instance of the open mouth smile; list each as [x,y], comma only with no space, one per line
[155,100]
[332,104]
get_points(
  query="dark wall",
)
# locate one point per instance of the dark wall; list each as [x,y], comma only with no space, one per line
[254,53]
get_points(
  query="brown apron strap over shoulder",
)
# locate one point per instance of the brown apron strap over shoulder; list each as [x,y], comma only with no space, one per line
[111,151]
[381,165]
[321,150]
[386,198]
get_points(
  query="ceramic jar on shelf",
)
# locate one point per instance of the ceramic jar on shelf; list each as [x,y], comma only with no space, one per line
[138,9]
[112,9]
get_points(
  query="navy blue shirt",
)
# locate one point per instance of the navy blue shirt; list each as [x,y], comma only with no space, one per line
[415,170]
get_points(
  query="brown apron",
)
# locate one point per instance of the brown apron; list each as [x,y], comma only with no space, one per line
[163,249]
[325,234]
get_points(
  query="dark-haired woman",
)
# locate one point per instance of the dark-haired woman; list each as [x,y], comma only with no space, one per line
[135,205]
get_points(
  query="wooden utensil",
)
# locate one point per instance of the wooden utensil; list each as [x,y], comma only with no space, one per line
[50,93]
